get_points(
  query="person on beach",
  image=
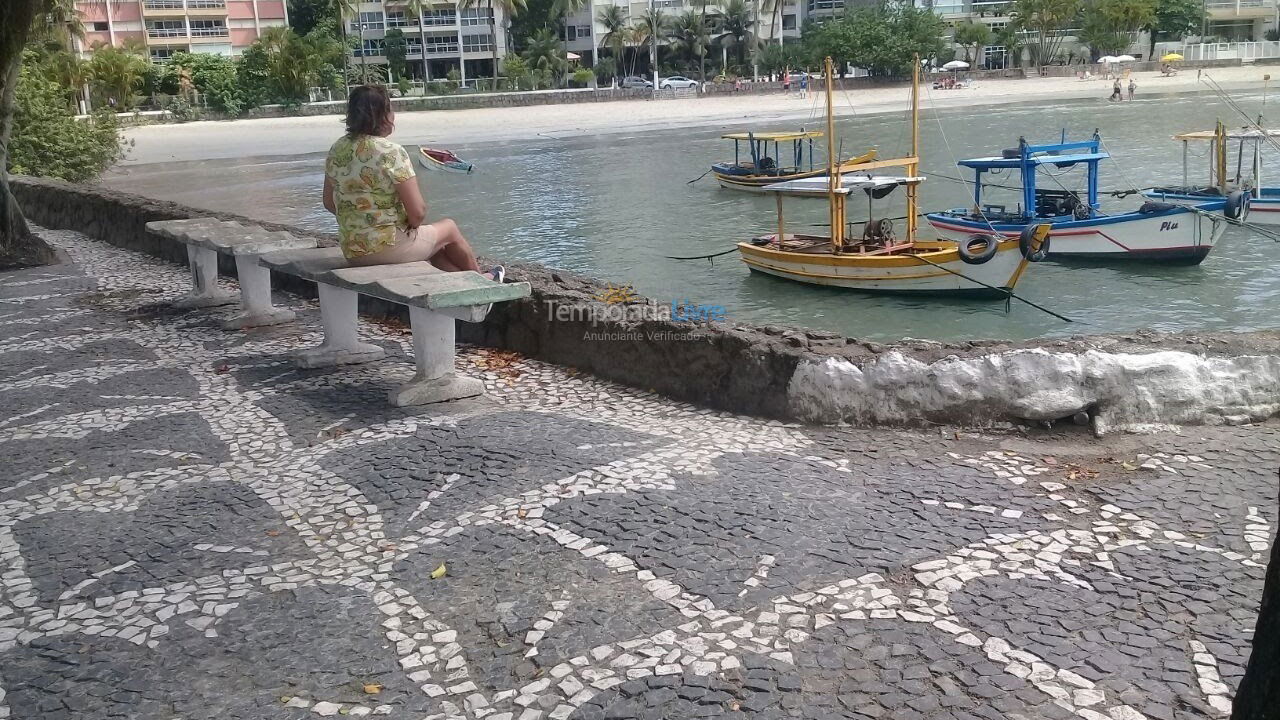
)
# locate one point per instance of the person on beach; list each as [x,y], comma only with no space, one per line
[1115,91]
[1133,87]
[786,81]
[804,86]
[369,185]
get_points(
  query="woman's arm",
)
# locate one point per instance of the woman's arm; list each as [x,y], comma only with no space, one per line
[328,195]
[411,197]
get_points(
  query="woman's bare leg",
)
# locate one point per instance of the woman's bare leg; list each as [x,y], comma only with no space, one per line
[452,248]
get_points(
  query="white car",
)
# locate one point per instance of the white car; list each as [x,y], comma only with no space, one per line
[677,81]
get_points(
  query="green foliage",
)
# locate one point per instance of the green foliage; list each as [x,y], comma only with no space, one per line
[1176,19]
[517,72]
[253,76]
[736,28]
[537,16]
[543,54]
[582,77]
[214,76]
[48,141]
[454,76]
[305,15]
[689,30]
[1043,19]
[116,73]
[972,35]
[777,58]
[404,85]
[605,69]
[1110,26]
[881,39]
[396,48]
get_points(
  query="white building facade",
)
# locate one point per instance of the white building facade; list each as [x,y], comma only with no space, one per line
[444,38]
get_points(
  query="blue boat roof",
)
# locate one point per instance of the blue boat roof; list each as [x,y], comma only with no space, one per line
[1036,159]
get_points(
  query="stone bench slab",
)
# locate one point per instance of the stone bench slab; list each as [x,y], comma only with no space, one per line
[229,237]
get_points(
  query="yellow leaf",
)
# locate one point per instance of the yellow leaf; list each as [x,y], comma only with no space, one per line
[372,688]
[439,572]
[1128,466]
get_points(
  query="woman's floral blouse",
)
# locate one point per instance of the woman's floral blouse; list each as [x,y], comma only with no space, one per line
[365,171]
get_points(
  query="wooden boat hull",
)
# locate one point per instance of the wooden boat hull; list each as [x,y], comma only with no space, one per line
[1263,210]
[893,274]
[1177,235]
[757,183]
[447,162]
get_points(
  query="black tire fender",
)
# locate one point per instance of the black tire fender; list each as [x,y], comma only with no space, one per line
[978,249]
[1027,241]
[1237,205]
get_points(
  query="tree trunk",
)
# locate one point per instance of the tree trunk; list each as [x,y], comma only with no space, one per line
[18,246]
[493,38]
[1259,695]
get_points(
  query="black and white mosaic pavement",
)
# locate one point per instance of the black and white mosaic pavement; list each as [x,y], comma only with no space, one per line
[190,527]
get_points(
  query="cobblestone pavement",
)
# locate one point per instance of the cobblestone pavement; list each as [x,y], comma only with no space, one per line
[191,528]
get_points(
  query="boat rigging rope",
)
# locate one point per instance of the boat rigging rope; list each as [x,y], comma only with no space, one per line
[955,161]
[698,178]
[701,257]
[1009,294]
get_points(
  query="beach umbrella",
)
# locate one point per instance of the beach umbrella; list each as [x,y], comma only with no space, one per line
[1126,58]
[956,65]
[1171,57]
[1108,59]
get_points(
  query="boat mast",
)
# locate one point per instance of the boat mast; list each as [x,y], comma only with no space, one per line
[835,200]
[1220,156]
[913,166]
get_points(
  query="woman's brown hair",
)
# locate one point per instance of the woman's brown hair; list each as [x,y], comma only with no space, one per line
[368,111]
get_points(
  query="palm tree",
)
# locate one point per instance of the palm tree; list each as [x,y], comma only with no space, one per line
[774,8]
[344,9]
[116,73]
[560,11]
[510,8]
[614,20]
[60,23]
[543,53]
[736,25]
[636,35]
[418,7]
[654,23]
[690,35]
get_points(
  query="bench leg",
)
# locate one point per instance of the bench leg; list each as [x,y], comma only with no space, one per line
[433,353]
[255,297]
[204,280]
[341,344]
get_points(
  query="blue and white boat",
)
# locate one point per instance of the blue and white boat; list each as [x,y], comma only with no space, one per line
[1157,231]
[1223,184]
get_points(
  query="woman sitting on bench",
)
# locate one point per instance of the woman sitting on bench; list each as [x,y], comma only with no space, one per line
[369,184]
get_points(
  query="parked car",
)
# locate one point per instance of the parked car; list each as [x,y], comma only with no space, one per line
[635,81]
[677,82]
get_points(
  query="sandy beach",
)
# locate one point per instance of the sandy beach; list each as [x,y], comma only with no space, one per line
[299,135]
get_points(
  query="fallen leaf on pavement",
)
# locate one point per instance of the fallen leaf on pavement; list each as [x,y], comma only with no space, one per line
[439,572]
[372,689]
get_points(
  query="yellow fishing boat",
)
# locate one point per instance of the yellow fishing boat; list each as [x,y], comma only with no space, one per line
[761,167]
[879,259]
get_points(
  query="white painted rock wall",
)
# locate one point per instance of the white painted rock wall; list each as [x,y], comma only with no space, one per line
[1126,390]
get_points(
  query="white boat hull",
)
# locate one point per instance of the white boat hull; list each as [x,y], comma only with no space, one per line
[907,276]
[1172,236]
[1263,210]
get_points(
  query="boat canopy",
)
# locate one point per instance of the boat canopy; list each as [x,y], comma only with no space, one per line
[848,184]
[774,136]
[1241,134]
[1031,158]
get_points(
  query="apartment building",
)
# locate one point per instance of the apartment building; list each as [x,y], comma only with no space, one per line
[443,38]
[224,27]
[583,31]
[1239,20]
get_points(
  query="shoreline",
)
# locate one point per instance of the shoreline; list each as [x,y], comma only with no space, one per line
[263,137]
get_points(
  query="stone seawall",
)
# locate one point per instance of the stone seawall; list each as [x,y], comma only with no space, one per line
[1131,381]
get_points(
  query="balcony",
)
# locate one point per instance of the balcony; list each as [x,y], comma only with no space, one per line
[164,8]
[209,34]
[158,36]
[1244,9]
[206,7]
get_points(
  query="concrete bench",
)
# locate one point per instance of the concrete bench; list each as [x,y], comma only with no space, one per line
[205,238]
[435,299]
